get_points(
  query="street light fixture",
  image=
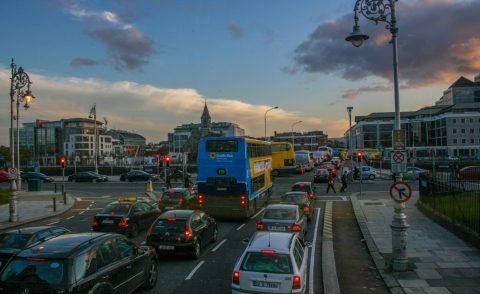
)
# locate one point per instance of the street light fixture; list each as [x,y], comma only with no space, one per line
[93,114]
[18,81]
[384,11]
[293,136]
[265,118]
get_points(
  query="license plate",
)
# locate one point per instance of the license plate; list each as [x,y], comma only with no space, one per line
[107,221]
[166,247]
[265,284]
[275,228]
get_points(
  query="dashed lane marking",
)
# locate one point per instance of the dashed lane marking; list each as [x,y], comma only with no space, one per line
[82,212]
[258,213]
[218,246]
[70,217]
[240,227]
[312,254]
[194,270]
[78,199]
[53,223]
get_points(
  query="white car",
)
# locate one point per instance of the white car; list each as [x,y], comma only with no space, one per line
[273,262]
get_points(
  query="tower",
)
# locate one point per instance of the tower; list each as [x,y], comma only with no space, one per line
[206,121]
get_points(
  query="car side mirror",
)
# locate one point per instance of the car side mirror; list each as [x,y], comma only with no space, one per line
[245,241]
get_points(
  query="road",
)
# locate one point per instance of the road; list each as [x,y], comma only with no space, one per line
[211,273]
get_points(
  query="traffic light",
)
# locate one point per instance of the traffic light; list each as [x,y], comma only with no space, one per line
[359,156]
[63,162]
[167,160]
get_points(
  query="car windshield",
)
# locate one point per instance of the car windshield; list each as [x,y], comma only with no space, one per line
[169,225]
[280,213]
[117,208]
[13,241]
[294,198]
[267,263]
[301,188]
[173,194]
[35,270]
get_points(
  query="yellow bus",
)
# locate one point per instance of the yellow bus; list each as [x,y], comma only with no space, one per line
[283,162]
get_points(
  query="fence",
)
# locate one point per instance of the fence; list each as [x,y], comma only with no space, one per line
[454,200]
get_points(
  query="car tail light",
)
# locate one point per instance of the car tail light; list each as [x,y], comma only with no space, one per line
[181,200]
[236,278]
[271,251]
[312,195]
[200,199]
[35,259]
[95,222]
[296,227]
[160,199]
[243,200]
[306,208]
[188,234]
[150,229]
[123,222]
[296,282]
[260,226]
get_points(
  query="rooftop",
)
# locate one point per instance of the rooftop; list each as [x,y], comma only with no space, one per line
[271,240]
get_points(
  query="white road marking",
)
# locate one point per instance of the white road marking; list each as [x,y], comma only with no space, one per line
[218,246]
[143,242]
[83,209]
[258,213]
[312,254]
[70,217]
[53,223]
[82,212]
[344,198]
[79,199]
[240,227]
[194,270]
[106,196]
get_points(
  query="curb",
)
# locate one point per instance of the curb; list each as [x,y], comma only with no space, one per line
[389,280]
[329,268]
[28,221]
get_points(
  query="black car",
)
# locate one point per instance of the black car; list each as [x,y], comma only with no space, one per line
[81,263]
[302,200]
[174,173]
[128,215]
[87,177]
[26,176]
[137,175]
[182,231]
[178,198]
[14,241]
[305,187]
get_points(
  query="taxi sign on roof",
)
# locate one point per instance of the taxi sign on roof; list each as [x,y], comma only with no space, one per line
[127,199]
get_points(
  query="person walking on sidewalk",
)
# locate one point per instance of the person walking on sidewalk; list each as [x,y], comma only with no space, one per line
[344,182]
[168,181]
[331,182]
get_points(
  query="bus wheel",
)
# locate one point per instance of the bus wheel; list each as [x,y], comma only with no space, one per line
[275,173]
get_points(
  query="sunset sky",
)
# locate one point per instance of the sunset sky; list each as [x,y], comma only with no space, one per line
[149,65]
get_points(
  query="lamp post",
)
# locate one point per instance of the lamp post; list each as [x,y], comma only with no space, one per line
[93,114]
[350,141]
[384,11]
[293,136]
[265,119]
[18,81]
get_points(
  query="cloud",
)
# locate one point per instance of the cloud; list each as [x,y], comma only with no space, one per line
[435,46]
[235,30]
[80,61]
[353,93]
[149,110]
[127,46]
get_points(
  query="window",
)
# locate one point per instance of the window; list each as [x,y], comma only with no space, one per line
[298,252]
[454,141]
[124,247]
[472,130]
[222,146]
[454,120]
[107,253]
[471,120]
[196,222]
[463,131]
[267,263]
[454,131]
[472,141]
[258,183]
[463,141]
[463,120]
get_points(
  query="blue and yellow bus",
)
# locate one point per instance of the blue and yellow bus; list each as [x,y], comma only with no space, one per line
[283,159]
[233,175]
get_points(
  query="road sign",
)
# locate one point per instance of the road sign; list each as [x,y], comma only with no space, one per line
[399,161]
[398,139]
[399,157]
[12,171]
[400,191]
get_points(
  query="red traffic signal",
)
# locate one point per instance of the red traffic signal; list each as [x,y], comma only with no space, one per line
[359,155]
[63,161]
[167,160]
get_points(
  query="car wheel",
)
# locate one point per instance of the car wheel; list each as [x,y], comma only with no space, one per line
[215,235]
[196,250]
[151,276]
[371,177]
[275,173]
[130,180]
[133,231]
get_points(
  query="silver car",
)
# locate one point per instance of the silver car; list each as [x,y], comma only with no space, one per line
[273,262]
[283,218]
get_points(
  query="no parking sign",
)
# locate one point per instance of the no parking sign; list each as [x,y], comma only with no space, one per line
[401,192]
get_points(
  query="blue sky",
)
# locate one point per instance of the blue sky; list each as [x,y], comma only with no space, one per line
[150,64]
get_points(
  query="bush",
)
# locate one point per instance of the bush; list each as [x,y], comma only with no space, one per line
[4,195]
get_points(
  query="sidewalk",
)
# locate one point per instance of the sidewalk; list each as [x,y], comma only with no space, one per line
[34,206]
[440,261]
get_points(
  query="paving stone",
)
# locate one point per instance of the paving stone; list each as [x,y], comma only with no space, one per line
[413,283]
[425,265]
[453,264]
[428,274]
[414,290]
[464,290]
[439,282]
[437,290]
[411,275]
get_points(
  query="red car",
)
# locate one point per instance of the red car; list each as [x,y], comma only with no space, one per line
[470,173]
[4,176]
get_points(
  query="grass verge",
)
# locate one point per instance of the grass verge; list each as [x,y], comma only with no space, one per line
[4,195]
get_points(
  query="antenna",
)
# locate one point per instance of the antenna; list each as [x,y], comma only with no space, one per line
[268,239]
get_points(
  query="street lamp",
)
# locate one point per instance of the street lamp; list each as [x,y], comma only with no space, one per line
[265,118]
[293,136]
[93,114]
[384,11]
[18,81]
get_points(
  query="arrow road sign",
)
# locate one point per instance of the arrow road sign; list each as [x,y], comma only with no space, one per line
[400,191]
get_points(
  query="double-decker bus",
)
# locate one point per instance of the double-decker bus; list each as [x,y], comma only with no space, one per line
[283,159]
[234,175]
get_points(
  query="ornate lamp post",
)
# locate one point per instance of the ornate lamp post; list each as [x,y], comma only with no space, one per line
[265,118]
[384,11]
[93,114]
[18,81]
[350,141]
[293,136]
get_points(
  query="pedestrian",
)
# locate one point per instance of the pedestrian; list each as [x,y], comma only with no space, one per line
[344,182]
[168,181]
[187,181]
[331,182]
[356,173]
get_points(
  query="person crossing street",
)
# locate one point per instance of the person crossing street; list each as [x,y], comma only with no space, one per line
[331,182]
[344,182]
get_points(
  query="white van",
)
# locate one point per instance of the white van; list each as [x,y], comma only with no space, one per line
[305,158]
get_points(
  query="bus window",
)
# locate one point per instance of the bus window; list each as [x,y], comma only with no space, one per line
[222,146]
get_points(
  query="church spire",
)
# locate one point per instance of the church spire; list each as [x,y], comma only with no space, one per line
[206,120]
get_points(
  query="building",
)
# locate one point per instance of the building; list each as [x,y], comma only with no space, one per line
[450,128]
[127,147]
[303,141]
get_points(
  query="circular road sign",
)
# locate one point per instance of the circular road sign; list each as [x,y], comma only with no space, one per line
[398,157]
[12,171]
[400,191]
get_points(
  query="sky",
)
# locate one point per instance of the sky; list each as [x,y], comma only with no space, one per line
[150,65]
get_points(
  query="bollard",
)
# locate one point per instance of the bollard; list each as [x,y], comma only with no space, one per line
[149,186]
[64,197]
[63,188]
[54,204]
[55,186]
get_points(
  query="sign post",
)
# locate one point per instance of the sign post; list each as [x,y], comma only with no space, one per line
[400,192]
